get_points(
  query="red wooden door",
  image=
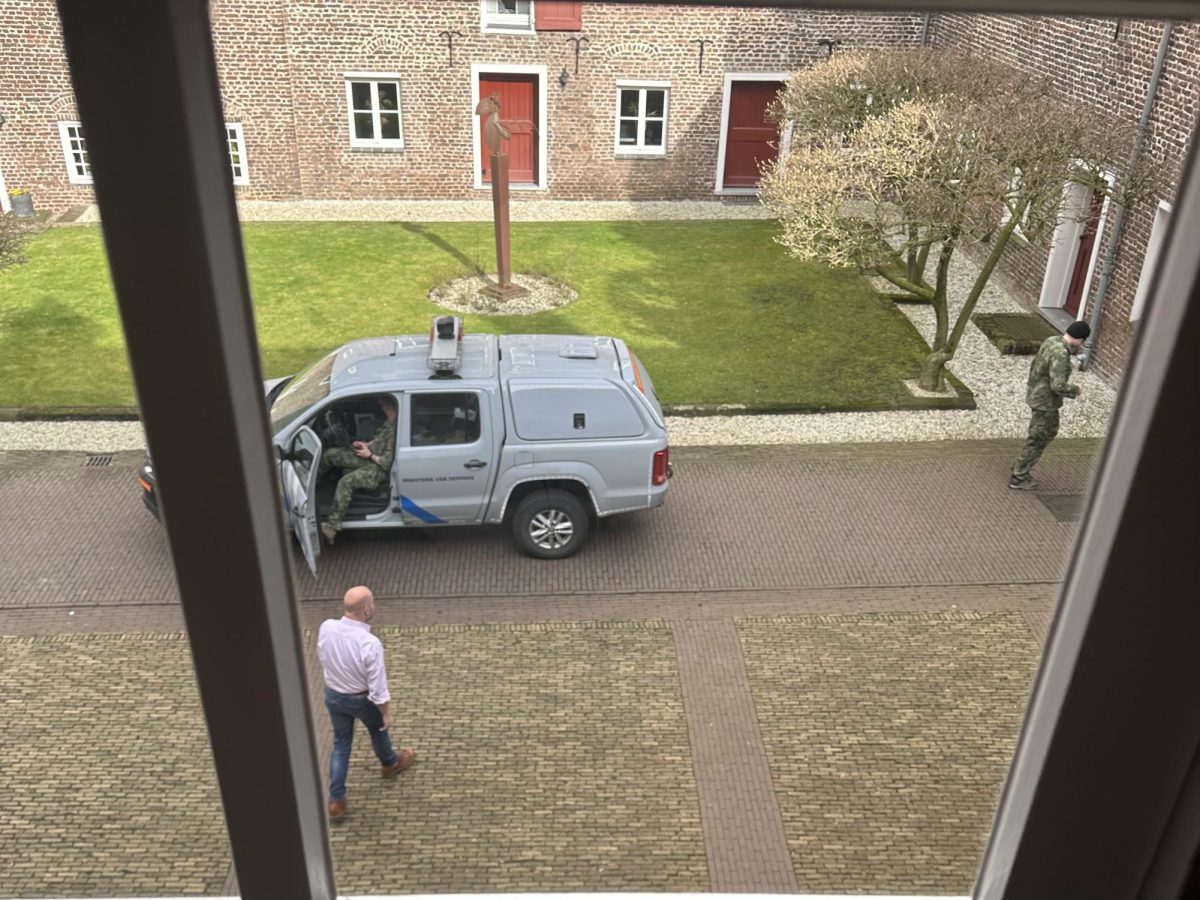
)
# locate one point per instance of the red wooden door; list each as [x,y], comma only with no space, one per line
[750,138]
[519,114]
[1083,256]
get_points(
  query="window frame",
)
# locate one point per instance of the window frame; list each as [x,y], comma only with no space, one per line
[1105,652]
[74,176]
[1160,224]
[507,23]
[640,148]
[235,133]
[374,79]
[418,395]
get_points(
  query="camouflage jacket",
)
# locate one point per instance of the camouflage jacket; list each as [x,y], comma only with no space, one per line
[384,445]
[1049,376]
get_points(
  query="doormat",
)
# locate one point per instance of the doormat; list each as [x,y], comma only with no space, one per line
[1064,507]
[1014,334]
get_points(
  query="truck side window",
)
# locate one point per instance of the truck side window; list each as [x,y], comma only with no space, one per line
[451,418]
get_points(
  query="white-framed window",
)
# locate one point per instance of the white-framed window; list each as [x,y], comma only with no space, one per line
[79,168]
[1158,234]
[642,117]
[235,142]
[373,103]
[506,15]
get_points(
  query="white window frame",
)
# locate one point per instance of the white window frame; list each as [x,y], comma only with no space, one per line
[374,79]
[506,23]
[237,136]
[543,173]
[640,148]
[1154,247]
[73,162]
[723,138]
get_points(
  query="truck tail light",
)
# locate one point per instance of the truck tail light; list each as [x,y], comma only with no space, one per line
[661,470]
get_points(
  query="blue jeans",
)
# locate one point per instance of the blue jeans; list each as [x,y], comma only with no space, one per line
[343,710]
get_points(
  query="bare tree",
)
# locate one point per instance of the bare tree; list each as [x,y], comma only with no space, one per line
[899,159]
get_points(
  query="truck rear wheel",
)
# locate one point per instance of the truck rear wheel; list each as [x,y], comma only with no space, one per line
[550,524]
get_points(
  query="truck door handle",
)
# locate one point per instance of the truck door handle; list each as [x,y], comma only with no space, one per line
[474,464]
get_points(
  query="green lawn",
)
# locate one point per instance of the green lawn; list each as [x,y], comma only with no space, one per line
[717,311]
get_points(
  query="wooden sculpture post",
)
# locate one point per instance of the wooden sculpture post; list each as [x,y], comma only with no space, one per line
[493,134]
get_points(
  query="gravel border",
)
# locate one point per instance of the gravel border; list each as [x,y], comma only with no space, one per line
[520,210]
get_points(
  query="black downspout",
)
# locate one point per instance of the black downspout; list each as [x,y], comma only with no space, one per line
[1110,255]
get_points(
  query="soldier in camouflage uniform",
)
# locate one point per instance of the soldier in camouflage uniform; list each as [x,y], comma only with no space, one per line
[1049,383]
[367,465]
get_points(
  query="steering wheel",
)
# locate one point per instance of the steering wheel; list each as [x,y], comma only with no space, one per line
[336,430]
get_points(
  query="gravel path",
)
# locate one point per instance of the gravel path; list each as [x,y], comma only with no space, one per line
[521,210]
[998,381]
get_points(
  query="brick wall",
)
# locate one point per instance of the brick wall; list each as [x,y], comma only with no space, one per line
[282,65]
[1093,62]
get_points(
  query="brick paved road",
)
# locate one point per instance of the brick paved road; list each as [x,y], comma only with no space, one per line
[788,678]
[736,519]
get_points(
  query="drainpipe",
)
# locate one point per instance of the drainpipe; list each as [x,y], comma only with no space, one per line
[925,30]
[1118,231]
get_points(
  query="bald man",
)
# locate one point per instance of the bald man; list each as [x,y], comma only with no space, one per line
[356,688]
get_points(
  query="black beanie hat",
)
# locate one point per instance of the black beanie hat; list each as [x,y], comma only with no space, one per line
[1079,330]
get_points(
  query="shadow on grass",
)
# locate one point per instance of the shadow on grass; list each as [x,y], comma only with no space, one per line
[420,231]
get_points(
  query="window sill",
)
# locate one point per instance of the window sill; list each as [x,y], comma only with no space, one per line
[640,154]
[508,29]
[357,148]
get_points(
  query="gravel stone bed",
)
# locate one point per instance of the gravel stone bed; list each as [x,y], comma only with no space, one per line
[466,295]
[520,210]
[998,381]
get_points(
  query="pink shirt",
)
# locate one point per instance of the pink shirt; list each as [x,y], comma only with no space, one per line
[352,658]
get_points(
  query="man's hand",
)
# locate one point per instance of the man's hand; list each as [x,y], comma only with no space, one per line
[361,450]
[387,720]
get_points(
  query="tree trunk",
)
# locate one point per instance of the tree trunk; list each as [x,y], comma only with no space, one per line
[933,372]
[981,281]
[931,378]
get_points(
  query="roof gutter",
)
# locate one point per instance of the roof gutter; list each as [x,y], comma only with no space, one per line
[1110,255]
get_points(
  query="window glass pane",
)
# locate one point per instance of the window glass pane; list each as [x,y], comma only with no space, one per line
[628,131]
[361,91]
[364,128]
[655,101]
[654,133]
[629,103]
[445,419]
[388,95]
[389,127]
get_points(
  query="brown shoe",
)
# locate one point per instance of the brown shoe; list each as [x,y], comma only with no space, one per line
[337,810]
[404,759]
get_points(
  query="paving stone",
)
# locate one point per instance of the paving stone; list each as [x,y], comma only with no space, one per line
[550,757]
[889,737]
[107,782]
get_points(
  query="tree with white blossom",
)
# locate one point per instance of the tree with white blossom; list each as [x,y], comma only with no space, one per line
[897,160]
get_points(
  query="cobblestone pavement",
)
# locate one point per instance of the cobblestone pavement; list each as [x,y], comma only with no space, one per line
[888,738]
[551,757]
[107,779]
[737,518]
[792,677]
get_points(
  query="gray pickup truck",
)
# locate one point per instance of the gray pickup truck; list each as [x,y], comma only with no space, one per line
[543,432]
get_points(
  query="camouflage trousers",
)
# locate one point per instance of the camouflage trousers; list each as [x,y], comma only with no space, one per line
[362,475]
[1043,426]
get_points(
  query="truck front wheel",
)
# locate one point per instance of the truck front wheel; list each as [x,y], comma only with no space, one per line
[550,524]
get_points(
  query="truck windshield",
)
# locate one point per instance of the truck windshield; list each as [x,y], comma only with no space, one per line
[302,392]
